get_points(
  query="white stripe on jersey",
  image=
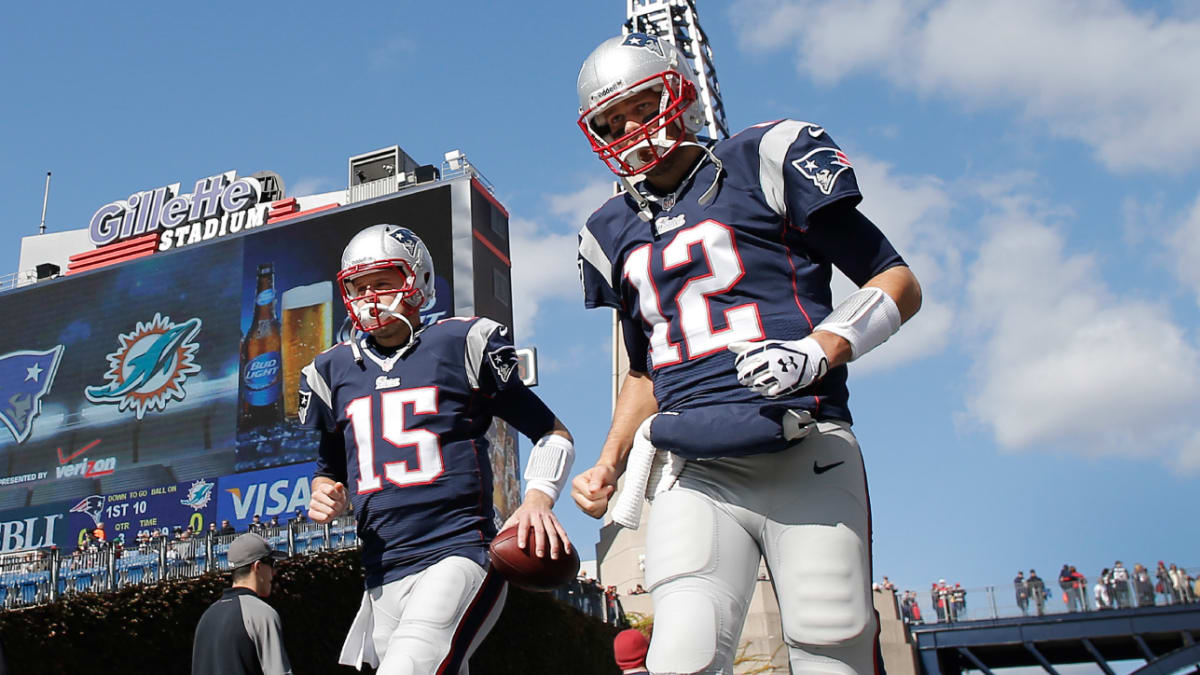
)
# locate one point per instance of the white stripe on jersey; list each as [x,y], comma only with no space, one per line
[589,250]
[772,150]
[477,339]
[317,384]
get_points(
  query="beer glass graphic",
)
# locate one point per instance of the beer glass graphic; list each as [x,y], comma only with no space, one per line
[307,331]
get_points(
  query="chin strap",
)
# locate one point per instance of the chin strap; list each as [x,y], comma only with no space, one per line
[643,201]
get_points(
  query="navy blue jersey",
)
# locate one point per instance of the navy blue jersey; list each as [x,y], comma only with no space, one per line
[754,263]
[404,430]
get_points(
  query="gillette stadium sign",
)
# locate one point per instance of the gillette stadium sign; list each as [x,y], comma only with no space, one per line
[218,205]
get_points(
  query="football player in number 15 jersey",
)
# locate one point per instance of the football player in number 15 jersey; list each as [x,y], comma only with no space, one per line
[403,411]
[718,264]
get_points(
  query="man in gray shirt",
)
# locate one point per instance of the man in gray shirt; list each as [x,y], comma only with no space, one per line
[240,634]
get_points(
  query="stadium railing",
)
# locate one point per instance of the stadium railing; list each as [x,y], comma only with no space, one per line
[43,575]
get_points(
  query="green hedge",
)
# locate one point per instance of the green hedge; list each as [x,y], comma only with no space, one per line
[148,629]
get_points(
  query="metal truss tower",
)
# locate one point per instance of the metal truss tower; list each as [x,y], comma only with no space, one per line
[676,20]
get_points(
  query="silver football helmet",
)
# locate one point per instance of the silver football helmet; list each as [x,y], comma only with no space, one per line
[622,67]
[381,247]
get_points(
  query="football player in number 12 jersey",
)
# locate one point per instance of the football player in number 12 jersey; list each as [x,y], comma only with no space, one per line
[403,409]
[718,263]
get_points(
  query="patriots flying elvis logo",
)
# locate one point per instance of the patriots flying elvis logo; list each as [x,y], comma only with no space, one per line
[93,506]
[198,495]
[25,377]
[823,166]
[504,361]
[407,239]
[150,366]
[642,40]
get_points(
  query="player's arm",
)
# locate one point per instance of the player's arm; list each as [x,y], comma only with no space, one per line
[492,361]
[635,402]
[328,498]
[851,242]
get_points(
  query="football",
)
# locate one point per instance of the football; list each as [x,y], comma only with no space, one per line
[526,570]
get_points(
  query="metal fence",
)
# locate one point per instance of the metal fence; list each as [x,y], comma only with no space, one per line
[41,576]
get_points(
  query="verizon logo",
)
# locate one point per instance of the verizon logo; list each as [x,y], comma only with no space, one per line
[86,467]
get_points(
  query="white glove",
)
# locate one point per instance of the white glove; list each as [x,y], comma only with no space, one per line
[774,368]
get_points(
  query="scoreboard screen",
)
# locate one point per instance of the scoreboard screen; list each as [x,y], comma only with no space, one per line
[160,392]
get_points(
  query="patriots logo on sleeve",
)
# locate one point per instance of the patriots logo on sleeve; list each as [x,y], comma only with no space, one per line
[642,40]
[504,362]
[25,377]
[302,407]
[823,166]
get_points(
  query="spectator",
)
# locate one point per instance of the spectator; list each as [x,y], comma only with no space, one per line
[1119,581]
[629,651]
[1100,591]
[1037,589]
[1179,584]
[240,633]
[937,600]
[256,524]
[638,590]
[226,528]
[1143,587]
[1079,583]
[1021,588]
[1066,583]
[212,529]
[1164,582]
[888,585]
[274,522]
[99,535]
[300,517]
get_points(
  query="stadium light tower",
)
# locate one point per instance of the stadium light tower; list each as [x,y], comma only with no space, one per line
[676,20]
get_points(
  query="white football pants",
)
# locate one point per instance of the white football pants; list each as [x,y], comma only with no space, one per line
[432,621]
[806,510]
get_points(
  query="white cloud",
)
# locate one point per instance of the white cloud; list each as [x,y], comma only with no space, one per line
[1120,80]
[1185,250]
[1064,361]
[543,255]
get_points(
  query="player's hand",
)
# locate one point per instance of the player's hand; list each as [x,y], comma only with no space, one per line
[773,368]
[535,515]
[592,489]
[328,501]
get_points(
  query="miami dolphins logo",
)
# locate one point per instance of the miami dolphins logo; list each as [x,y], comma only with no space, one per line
[198,495]
[150,366]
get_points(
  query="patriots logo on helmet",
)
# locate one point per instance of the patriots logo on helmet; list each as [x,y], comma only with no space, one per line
[823,166]
[642,40]
[504,362]
[25,377]
[406,238]
[93,506]
[198,495]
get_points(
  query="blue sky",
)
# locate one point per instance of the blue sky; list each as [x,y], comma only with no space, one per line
[1034,160]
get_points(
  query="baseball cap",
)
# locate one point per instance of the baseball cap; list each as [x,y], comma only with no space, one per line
[249,548]
[629,649]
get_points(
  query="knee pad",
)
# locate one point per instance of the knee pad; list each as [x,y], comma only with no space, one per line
[685,632]
[821,582]
[681,537]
